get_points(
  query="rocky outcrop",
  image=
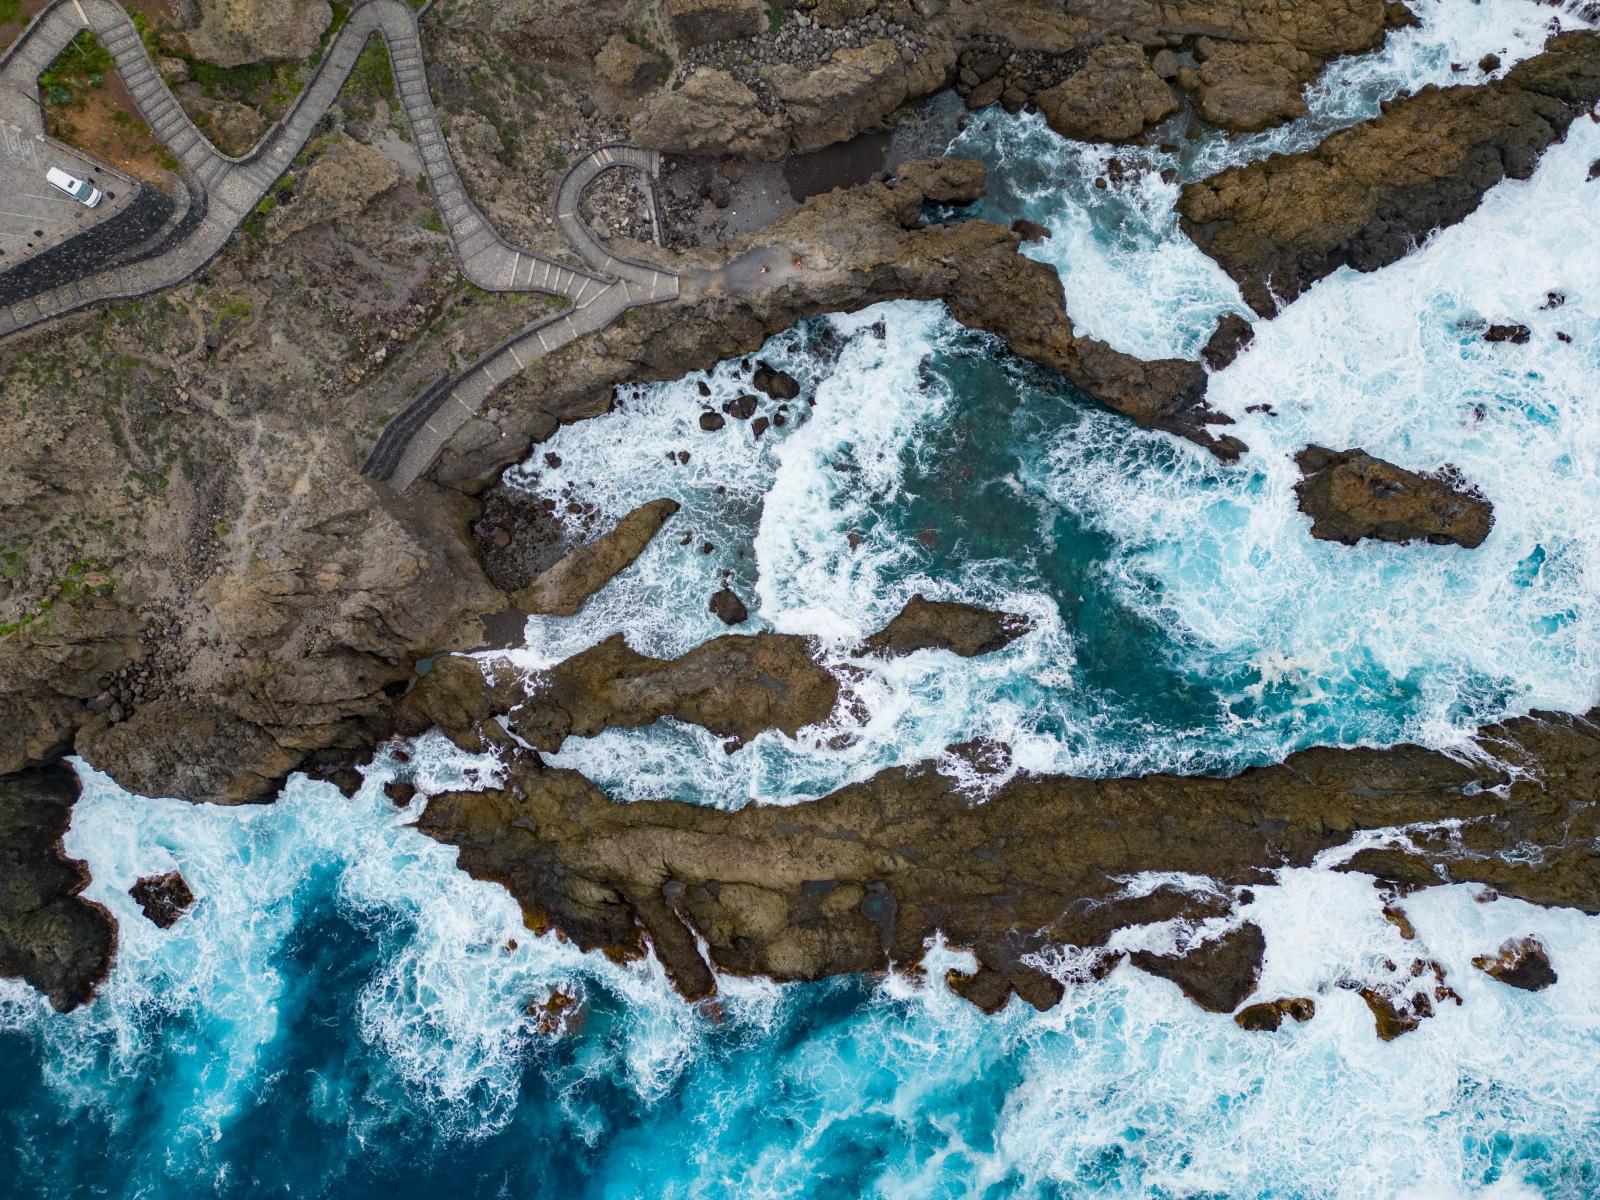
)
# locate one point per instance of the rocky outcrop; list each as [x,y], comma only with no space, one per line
[1350,495]
[945,180]
[726,606]
[49,935]
[1368,194]
[1115,97]
[343,180]
[628,67]
[700,22]
[163,898]
[1520,963]
[963,629]
[737,685]
[1217,974]
[562,589]
[234,33]
[1228,340]
[861,878]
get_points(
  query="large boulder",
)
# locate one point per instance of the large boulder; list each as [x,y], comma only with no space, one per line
[963,629]
[1114,97]
[1243,87]
[344,179]
[1520,963]
[628,67]
[1350,495]
[712,113]
[1369,194]
[233,33]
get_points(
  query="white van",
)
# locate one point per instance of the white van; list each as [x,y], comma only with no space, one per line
[84,193]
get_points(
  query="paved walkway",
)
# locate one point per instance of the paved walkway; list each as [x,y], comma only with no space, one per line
[232,187]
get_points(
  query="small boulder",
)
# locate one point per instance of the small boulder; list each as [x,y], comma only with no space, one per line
[1394,1016]
[1594,170]
[963,629]
[399,792]
[1029,231]
[712,421]
[1350,495]
[1520,963]
[740,408]
[1232,334]
[164,898]
[1269,1014]
[728,608]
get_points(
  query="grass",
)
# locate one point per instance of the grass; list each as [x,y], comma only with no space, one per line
[10,10]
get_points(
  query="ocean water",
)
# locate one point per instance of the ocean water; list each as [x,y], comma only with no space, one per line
[344,1013]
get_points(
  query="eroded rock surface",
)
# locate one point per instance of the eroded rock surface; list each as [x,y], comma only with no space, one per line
[1268,1015]
[861,878]
[1350,495]
[1115,97]
[233,33]
[163,898]
[1217,974]
[49,935]
[1368,194]
[963,629]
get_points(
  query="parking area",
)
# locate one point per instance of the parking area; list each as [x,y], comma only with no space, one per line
[33,215]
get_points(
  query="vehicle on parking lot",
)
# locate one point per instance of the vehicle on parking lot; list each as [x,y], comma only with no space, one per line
[83,192]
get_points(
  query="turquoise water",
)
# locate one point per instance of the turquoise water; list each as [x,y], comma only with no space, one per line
[343,1012]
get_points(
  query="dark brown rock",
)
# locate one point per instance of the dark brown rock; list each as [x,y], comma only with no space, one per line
[1217,975]
[400,792]
[1232,334]
[50,937]
[728,608]
[780,385]
[1244,87]
[712,421]
[740,408]
[562,589]
[944,180]
[1517,335]
[164,898]
[1520,963]
[1393,1015]
[963,629]
[1350,495]
[1268,1015]
[1029,231]
[1368,194]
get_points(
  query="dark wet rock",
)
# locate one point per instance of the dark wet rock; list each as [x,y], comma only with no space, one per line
[1489,62]
[963,629]
[712,421]
[562,589]
[1217,975]
[1350,495]
[741,408]
[400,792]
[1232,334]
[1267,1016]
[1594,170]
[1114,97]
[759,426]
[1368,194]
[50,936]
[780,385]
[1029,231]
[1520,963]
[728,608]
[1393,1015]
[1517,335]
[164,898]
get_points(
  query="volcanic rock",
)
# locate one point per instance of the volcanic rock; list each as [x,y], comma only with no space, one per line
[629,68]
[1368,194]
[1520,963]
[562,589]
[344,179]
[780,385]
[1267,1016]
[49,936]
[945,180]
[1232,334]
[1029,231]
[164,898]
[1396,1015]
[1217,974]
[1350,495]
[233,33]
[712,421]
[1115,97]
[728,608]
[963,629]
[701,22]
[741,408]
[1517,335]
